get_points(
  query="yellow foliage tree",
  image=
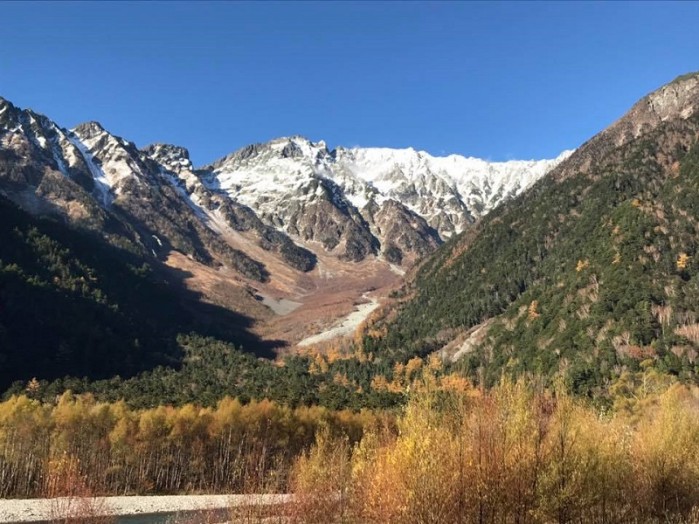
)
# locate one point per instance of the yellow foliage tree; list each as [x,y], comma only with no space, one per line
[379,383]
[412,367]
[320,481]
[582,265]
[664,455]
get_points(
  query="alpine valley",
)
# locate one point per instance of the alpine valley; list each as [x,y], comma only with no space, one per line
[288,234]
[132,274]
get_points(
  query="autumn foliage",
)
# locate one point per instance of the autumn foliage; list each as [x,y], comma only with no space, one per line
[517,455]
[86,446]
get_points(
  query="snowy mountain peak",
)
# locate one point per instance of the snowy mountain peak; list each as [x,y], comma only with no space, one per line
[448,192]
[173,158]
[116,164]
[5,105]
[398,204]
[295,148]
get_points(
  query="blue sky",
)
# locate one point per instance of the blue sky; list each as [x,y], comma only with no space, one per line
[492,80]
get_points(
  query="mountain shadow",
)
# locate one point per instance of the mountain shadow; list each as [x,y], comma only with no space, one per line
[73,305]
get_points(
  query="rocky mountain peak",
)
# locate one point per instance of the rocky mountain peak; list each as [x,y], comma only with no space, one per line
[674,102]
[297,185]
[172,157]
[27,121]
[8,113]
[678,99]
[5,105]
[299,147]
[295,150]
[352,203]
[88,130]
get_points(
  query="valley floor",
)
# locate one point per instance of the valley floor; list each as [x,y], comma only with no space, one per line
[307,308]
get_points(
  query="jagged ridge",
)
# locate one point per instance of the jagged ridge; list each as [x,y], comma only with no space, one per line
[353,203]
[289,182]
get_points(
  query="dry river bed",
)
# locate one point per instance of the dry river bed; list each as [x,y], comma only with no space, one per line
[43,510]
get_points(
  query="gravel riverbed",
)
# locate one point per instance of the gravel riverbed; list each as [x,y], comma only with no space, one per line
[41,510]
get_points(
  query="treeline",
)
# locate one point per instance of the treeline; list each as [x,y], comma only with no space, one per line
[212,369]
[108,448]
[513,454]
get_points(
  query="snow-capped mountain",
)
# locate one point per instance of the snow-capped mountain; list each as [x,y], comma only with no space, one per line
[446,191]
[283,180]
[293,198]
[106,184]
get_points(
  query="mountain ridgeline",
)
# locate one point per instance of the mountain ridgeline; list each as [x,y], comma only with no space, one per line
[591,272]
[291,197]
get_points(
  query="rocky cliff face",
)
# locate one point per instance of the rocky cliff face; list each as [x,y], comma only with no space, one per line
[406,234]
[291,197]
[41,168]
[104,183]
[219,211]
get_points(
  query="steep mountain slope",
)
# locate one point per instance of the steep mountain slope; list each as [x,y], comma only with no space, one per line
[43,170]
[220,212]
[352,203]
[589,273]
[102,182]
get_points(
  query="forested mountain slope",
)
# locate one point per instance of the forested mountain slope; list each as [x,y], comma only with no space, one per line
[288,221]
[590,272]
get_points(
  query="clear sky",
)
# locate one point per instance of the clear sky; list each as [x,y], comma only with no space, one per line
[492,80]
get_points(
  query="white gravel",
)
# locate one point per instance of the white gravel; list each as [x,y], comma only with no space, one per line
[36,510]
[346,326]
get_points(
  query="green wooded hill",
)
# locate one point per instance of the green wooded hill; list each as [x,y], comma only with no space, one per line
[591,272]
